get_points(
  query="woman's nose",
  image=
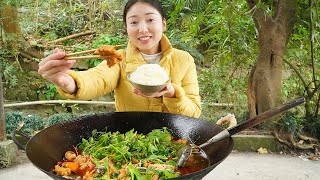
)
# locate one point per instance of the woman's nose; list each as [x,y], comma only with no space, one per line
[143,28]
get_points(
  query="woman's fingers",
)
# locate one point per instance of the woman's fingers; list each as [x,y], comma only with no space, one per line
[56,50]
[47,66]
[168,91]
[153,95]
[65,81]
[53,71]
[55,56]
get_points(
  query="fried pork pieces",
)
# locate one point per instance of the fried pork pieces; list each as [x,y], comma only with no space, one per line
[110,53]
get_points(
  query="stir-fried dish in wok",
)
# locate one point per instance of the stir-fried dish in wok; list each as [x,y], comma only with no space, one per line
[112,155]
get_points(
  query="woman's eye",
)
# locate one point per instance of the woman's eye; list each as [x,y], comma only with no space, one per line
[150,20]
[134,22]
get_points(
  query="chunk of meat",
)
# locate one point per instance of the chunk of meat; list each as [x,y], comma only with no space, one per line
[110,53]
[70,155]
[161,167]
[106,50]
[84,162]
[182,141]
[123,172]
[62,171]
[155,177]
[80,159]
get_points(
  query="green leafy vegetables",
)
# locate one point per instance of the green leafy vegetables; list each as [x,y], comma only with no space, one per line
[132,155]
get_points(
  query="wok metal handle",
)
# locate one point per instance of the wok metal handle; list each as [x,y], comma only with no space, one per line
[254,121]
[20,145]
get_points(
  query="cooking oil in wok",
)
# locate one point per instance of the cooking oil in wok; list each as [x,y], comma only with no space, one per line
[196,162]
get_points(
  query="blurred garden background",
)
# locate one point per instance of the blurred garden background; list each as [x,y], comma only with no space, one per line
[251,56]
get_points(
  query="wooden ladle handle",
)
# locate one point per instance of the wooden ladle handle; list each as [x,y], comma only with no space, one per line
[266,115]
[253,121]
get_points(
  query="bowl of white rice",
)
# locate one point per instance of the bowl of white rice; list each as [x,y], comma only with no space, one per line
[149,78]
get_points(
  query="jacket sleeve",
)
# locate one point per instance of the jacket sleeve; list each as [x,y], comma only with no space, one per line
[94,82]
[187,100]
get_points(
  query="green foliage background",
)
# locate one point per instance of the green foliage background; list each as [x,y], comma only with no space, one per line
[220,35]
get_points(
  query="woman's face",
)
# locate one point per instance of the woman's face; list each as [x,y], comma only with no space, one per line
[145,26]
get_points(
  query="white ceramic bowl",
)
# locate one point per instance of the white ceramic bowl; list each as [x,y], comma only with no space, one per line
[148,89]
[149,78]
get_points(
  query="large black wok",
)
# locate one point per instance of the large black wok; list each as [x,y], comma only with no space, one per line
[48,146]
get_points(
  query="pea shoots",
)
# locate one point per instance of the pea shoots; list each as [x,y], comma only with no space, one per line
[132,155]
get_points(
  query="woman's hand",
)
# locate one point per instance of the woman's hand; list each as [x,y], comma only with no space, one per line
[54,69]
[168,92]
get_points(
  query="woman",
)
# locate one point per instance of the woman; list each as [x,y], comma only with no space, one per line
[145,24]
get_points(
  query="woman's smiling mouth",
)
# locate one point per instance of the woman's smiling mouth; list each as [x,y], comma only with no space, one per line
[144,38]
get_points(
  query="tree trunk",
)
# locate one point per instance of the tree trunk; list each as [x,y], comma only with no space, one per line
[3,135]
[264,90]
[12,32]
[10,23]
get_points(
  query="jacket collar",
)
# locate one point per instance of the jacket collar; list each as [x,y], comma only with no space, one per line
[135,59]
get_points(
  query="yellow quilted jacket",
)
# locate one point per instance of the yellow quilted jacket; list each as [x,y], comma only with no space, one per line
[101,80]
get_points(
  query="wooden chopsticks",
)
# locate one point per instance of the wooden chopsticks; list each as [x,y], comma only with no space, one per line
[71,56]
[84,57]
[82,52]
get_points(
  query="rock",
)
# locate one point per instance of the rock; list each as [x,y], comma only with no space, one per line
[8,153]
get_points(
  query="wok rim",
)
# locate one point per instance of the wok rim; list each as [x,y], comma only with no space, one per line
[204,171]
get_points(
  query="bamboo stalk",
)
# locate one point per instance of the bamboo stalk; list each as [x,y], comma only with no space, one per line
[71,36]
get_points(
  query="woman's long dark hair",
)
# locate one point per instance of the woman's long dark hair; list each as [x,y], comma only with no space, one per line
[155,3]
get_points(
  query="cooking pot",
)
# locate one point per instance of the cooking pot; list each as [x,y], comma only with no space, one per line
[48,146]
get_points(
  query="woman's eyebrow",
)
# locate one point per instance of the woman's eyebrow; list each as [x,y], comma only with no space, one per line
[133,16]
[150,13]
